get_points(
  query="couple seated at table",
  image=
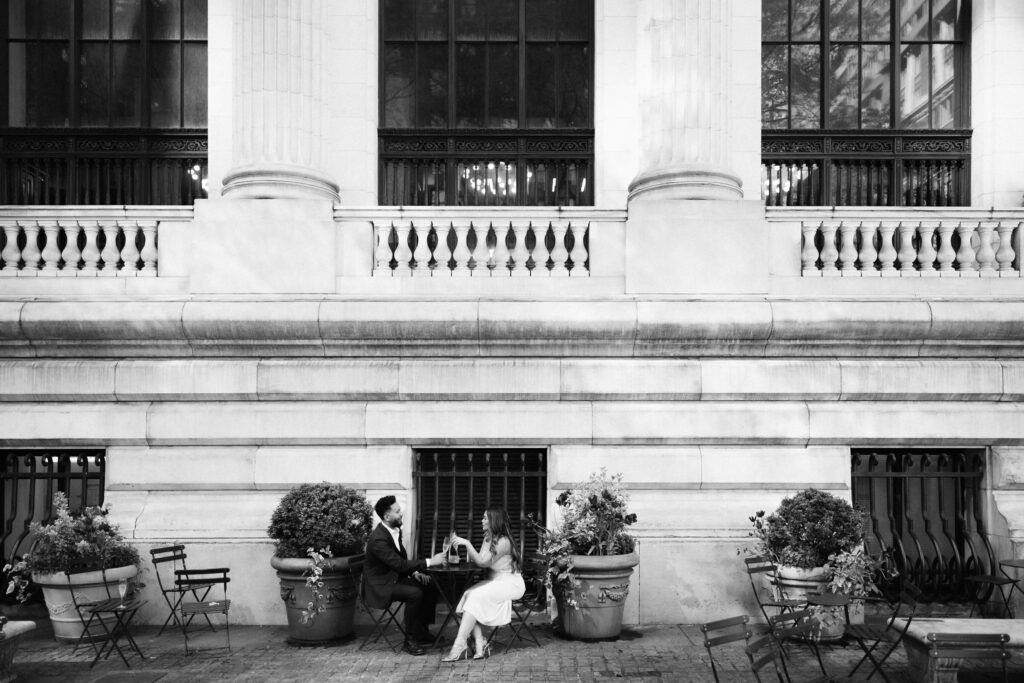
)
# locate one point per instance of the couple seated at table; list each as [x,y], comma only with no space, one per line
[390,575]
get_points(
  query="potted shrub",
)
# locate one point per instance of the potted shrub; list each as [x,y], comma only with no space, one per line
[801,536]
[591,557]
[74,542]
[320,535]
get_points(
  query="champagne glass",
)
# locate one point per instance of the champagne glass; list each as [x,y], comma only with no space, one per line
[122,588]
[446,544]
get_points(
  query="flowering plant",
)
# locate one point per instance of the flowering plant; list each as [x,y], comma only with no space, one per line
[854,573]
[594,519]
[321,515]
[82,540]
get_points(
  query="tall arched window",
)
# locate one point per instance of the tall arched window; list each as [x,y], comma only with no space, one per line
[865,102]
[486,102]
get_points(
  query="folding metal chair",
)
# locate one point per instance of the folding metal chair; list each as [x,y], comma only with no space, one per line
[534,600]
[172,591]
[887,635]
[766,651]
[757,569]
[193,580]
[723,631]
[382,620]
[974,646]
[800,627]
[105,622]
[1004,585]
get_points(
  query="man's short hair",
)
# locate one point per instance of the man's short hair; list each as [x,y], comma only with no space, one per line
[383,505]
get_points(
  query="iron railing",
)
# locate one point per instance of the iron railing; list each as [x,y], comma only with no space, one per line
[486,168]
[455,486]
[866,168]
[102,166]
[924,509]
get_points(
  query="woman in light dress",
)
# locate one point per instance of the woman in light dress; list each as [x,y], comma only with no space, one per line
[489,603]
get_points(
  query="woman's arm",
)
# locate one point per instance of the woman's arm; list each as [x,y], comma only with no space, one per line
[485,558]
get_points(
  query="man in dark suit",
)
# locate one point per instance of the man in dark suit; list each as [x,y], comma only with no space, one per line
[389,574]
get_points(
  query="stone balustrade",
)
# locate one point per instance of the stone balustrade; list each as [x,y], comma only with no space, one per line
[484,248]
[78,248]
[911,248]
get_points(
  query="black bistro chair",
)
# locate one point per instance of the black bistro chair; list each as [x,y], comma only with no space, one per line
[105,622]
[973,646]
[722,632]
[383,621]
[760,569]
[534,600]
[167,562]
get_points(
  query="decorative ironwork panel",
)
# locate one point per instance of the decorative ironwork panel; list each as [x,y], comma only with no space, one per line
[925,508]
[455,486]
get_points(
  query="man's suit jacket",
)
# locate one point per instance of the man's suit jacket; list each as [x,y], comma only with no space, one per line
[384,566]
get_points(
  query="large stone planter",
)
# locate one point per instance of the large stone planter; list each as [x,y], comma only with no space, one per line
[600,596]
[88,587]
[341,588]
[795,583]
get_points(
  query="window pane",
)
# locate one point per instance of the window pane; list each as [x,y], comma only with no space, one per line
[914,86]
[470,21]
[195,86]
[774,87]
[432,86]
[946,95]
[398,17]
[875,87]
[127,85]
[93,84]
[914,20]
[399,86]
[432,19]
[127,19]
[502,20]
[574,81]
[540,20]
[95,19]
[503,80]
[805,87]
[806,19]
[540,86]
[774,20]
[164,86]
[195,20]
[39,72]
[164,19]
[945,13]
[469,85]
[875,19]
[574,19]
[38,18]
[844,81]
[843,18]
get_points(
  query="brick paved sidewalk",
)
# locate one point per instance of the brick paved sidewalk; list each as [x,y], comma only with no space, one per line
[650,653]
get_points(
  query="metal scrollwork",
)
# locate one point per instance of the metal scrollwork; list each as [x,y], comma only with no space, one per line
[616,593]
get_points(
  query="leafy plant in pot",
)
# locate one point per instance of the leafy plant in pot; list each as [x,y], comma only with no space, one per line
[801,536]
[591,557]
[320,533]
[83,552]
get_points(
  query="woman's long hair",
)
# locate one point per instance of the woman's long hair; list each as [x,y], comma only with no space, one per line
[498,525]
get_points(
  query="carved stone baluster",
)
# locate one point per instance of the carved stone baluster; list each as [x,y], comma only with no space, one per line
[926,252]
[382,251]
[31,254]
[421,254]
[907,253]
[578,255]
[51,253]
[559,254]
[520,254]
[809,253]
[868,254]
[829,253]
[71,254]
[1005,253]
[965,260]
[403,254]
[149,249]
[11,255]
[986,254]
[946,253]
[110,254]
[848,253]
[501,255]
[462,254]
[130,253]
[90,252]
[886,250]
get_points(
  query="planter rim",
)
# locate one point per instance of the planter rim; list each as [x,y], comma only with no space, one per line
[60,579]
[791,572]
[300,565]
[623,561]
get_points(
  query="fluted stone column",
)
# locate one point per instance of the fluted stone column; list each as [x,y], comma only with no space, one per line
[279,101]
[684,77]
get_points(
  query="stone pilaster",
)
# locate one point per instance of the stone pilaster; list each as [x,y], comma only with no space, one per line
[279,101]
[684,75]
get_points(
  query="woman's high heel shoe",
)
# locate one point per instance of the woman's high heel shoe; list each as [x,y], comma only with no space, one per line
[454,655]
[483,651]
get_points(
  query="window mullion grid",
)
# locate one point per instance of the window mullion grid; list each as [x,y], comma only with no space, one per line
[181,64]
[522,186]
[824,116]
[451,165]
[895,109]
[931,63]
